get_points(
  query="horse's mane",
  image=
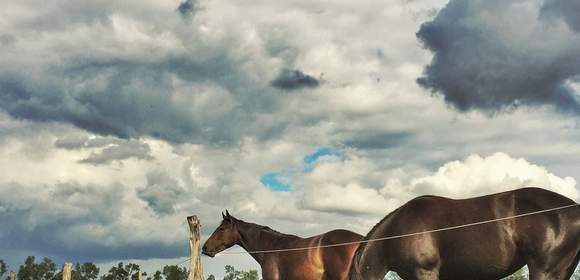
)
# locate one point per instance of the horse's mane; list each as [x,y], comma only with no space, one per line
[270,230]
[267,229]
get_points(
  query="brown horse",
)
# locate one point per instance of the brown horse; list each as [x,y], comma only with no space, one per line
[308,264]
[548,242]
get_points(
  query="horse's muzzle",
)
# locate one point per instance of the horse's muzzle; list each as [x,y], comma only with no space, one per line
[208,253]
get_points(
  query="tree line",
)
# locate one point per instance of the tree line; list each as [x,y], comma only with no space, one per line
[46,269]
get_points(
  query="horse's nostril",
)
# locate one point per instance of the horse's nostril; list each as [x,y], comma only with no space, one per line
[204,248]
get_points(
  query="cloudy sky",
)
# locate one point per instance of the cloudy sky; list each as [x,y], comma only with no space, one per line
[120,118]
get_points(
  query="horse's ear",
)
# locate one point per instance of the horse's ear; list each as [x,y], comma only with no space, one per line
[228,214]
[223,216]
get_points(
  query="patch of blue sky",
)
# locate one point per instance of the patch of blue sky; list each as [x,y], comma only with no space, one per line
[276,181]
[281,181]
[311,159]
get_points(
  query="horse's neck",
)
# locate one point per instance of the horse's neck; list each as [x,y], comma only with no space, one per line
[257,238]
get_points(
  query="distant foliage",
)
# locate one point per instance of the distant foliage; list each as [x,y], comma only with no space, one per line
[31,270]
[3,268]
[576,275]
[519,275]
[392,276]
[122,272]
[174,272]
[156,276]
[233,274]
[47,270]
[85,271]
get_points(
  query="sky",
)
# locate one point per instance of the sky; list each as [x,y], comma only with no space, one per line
[118,119]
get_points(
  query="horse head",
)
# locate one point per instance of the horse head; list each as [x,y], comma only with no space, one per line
[225,236]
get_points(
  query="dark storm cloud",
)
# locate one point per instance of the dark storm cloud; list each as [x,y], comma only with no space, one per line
[569,10]
[187,8]
[136,98]
[168,84]
[53,223]
[496,55]
[377,140]
[125,150]
[82,141]
[6,39]
[118,110]
[109,149]
[294,79]
[161,193]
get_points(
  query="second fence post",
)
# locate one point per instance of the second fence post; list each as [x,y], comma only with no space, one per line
[66,271]
[196,271]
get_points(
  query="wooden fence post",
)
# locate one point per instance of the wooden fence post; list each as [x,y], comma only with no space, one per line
[12,275]
[66,271]
[196,271]
[139,275]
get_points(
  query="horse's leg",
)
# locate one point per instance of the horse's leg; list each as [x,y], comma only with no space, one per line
[426,256]
[572,267]
[270,270]
[334,275]
[552,269]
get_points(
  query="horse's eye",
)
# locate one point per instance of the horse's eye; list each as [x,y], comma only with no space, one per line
[222,229]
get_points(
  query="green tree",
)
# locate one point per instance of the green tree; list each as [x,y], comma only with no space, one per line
[30,270]
[519,275]
[85,271]
[233,274]
[211,277]
[122,272]
[174,272]
[576,275]
[3,268]
[156,276]
[392,276]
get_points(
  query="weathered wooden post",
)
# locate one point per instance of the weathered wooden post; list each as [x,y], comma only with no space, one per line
[139,275]
[12,275]
[66,271]
[196,271]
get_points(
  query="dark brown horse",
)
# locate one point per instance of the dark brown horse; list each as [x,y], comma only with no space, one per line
[548,242]
[314,263]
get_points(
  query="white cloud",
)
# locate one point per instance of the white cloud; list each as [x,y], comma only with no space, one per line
[356,185]
[349,199]
[499,172]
